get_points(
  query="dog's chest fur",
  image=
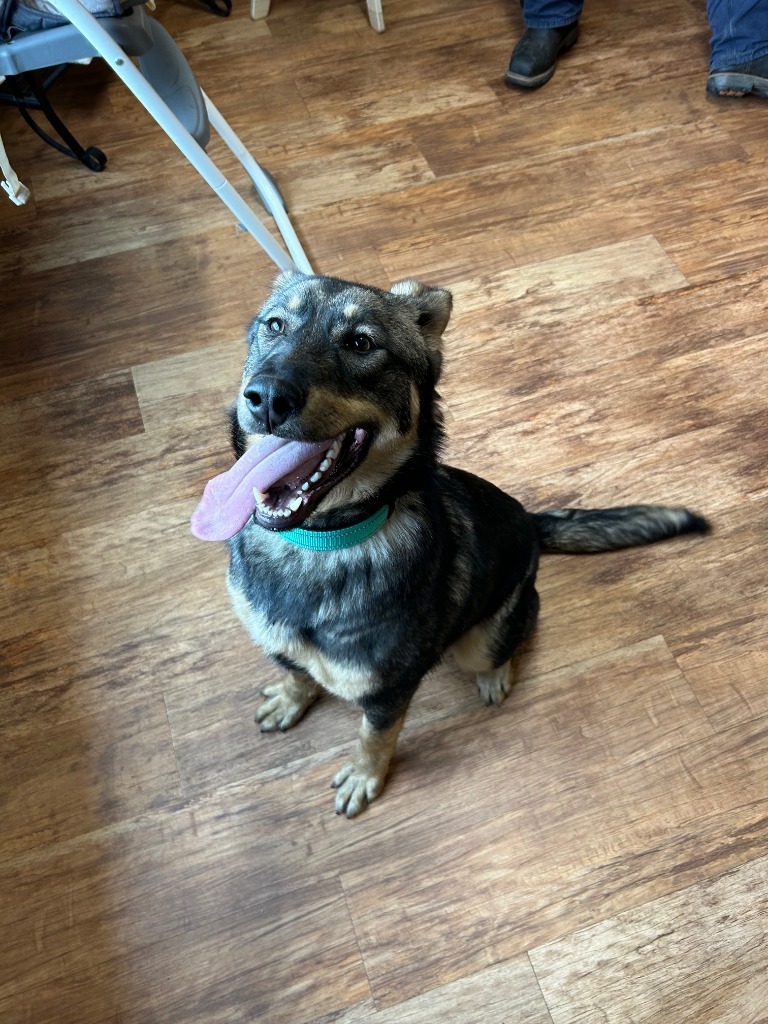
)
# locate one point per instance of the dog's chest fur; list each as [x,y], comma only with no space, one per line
[284,641]
[328,614]
[382,614]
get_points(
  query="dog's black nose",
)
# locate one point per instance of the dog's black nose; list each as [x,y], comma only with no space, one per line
[271,400]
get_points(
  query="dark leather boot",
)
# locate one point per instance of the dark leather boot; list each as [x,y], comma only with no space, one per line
[534,59]
[741,79]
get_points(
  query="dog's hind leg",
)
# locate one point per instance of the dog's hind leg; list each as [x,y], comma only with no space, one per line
[494,686]
[494,682]
[488,648]
[285,702]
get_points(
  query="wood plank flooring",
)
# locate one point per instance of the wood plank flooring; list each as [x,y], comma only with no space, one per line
[594,851]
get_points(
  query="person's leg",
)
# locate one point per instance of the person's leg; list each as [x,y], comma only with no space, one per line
[551,28]
[550,13]
[739,47]
[739,31]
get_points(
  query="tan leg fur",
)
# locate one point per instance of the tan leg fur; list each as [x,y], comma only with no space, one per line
[494,686]
[285,702]
[361,781]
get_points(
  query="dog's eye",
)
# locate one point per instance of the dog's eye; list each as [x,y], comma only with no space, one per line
[361,343]
[275,325]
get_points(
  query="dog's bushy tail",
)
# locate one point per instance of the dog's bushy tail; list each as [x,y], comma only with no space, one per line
[608,529]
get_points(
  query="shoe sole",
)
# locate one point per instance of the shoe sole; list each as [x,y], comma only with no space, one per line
[728,84]
[534,81]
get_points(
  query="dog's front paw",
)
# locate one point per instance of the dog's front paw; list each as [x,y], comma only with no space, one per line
[283,706]
[355,789]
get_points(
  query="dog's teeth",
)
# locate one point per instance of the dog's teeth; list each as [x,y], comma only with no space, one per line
[296,504]
[324,465]
[305,486]
[315,477]
[259,496]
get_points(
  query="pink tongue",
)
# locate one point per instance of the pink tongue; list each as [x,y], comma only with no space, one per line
[228,502]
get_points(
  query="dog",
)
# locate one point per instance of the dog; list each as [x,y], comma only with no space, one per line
[357,558]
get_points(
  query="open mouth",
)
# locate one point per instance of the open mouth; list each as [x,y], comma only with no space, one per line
[306,473]
[278,482]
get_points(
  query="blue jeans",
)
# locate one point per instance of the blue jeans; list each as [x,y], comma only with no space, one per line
[739,31]
[16,18]
[739,27]
[550,13]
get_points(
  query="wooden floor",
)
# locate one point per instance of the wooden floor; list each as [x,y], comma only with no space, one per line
[595,851]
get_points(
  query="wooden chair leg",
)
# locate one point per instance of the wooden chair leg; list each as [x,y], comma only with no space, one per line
[260,9]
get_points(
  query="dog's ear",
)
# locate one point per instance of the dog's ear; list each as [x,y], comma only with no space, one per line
[432,310]
[431,305]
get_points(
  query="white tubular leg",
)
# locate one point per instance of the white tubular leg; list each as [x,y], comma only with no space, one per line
[16,191]
[260,9]
[375,15]
[122,65]
[271,197]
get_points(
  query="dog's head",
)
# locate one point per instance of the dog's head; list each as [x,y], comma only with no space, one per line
[346,372]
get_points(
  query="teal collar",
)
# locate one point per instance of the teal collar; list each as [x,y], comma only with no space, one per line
[336,540]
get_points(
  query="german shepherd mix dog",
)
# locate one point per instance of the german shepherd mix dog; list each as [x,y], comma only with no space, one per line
[358,559]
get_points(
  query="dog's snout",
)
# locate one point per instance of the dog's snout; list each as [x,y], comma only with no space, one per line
[272,400]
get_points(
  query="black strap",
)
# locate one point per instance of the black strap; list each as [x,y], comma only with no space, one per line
[220,7]
[5,19]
